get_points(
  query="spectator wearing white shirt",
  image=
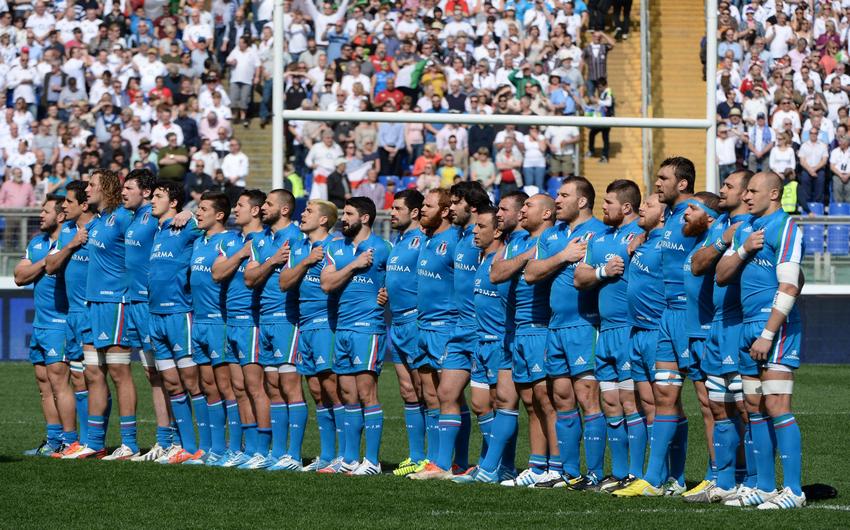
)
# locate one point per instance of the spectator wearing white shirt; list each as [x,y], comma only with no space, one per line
[235,164]
[196,30]
[135,133]
[562,141]
[90,25]
[760,140]
[322,156]
[354,75]
[208,156]
[23,79]
[780,37]
[782,157]
[814,156]
[165,126]
[725,146]
[839,163]
[41,22]
[67,24]
[786,111]
[141,109]
[21,157]
[836,98]
[325,18]
[149,68]
[244,65]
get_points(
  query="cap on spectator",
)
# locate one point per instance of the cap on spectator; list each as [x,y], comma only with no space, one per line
[760,116]
[202,39]
[510,7]
[117,46]
[722,128]
[514,38]
[340,162]
[735,112]
[492,46]
[25,49]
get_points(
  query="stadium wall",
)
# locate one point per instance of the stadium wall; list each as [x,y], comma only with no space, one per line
[824,339]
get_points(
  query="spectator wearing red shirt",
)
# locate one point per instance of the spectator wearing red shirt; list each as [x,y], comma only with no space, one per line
[452,4]
[390,93]
[161,91]
[381,61]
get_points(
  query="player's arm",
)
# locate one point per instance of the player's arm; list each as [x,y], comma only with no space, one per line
[734,258]
[504,269]
[588,277]
[711,251]
[256,272]
[333,279]
[224,267]
[54,261]
[291,276]
[26,272]
[540,269]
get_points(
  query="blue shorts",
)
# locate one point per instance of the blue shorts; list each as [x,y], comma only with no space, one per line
[47,346]
[431,348]
[137,330]
[108,323]
[487,360]
[529,354]
[644,343]
[78,334]
[171,336]
[315,351]
[613,355]
[721,348]
[404,342]
[571,351]
[460,348]
[278,344]
[244,342]
[673,339]
[696,350]
[209,343]
[357,352]
[785,349]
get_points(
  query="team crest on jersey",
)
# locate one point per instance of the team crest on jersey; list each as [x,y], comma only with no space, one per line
[628,238]
[145,217]
[111,220]
[442,249]
[414,243]
[587,237]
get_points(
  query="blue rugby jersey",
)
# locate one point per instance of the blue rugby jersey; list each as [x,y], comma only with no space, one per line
[49,299]
[527,303]
[570,306]
[138,242]
[357,302]
[107,275]
[783,243]
[676,246]
[313,310]
[275,305]
[434,298]
[402,279]
[727,298]
[76,269]
[209,299]
[613,307]
[466,258]
[243,304]
[171,257]
[645,290]
[490,302]
[700,292]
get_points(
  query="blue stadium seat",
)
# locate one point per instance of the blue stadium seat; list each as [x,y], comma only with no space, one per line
[813,237]
[552,186]
[407,181]
[839,208]
[816,208]
[838,240]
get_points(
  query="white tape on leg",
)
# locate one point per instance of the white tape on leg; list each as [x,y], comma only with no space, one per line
[147,359]
[121,357]
[476,384]
[77,366]
[628,385]
[772,387]
[751,387]
[607,386]
[186,362]
[668,378]
[94,358]
[286,368]
[165,364]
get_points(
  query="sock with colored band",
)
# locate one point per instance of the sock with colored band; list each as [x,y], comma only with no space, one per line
[568,428]
[353,432]
[54,435]
[218,427]
[504,429]
[280,424]
[202,416]
[485,425]
[679,451]
[763,449]
[788,442]
[594,443]
[619,443]
[414,421]
[183,415]
[726,441]
[663,430]
[234,424]
[96,435]
[554,464]
[636,427]
[461,444]
[128,432]
[297,426]
[327,432]
[373,426]
[82,401]
[537,464]
[449,427]
[432,430]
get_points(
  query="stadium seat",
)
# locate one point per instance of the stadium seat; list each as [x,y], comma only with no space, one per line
[838,236]
[816,208]
[552,186]
[406,182]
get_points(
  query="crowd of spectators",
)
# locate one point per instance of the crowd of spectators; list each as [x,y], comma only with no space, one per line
[782,86]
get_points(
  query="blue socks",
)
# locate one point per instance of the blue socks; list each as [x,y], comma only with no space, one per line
[636,427]
[280,425]
[485,425]
[96,434]
[568,428]
[54,435]
[164,436]
[619,443]
[82,400]
[537,464]
[679,451]
[790,450]
[594,443]
[202,415]
[183,415]
[461,444]
[726,441]
[663,431]
[69,437]
[234,424]
[218,427]
[432,431]
[414,421]
[128,432]
[763,447]
[750,456]
[264,440]
[353,430]
[297,425]
[373,425]
[249,431]
[449,427]
[327,432]
[339,426]
[504,429]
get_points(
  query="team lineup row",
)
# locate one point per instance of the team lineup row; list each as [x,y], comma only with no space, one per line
[593,325]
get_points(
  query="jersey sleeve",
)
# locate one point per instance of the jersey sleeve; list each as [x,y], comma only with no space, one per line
[29,253]
[541,249]
[329,254]
[588,253]
[790,244]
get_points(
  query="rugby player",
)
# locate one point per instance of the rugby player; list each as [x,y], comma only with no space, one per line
[605,269]
[242,322]
[768,257]
[70,258]
[48,344]
[302,274]
[354,272]
[280,407]
[403,336]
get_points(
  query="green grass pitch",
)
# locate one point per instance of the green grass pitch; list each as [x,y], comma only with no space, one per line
[45,493]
